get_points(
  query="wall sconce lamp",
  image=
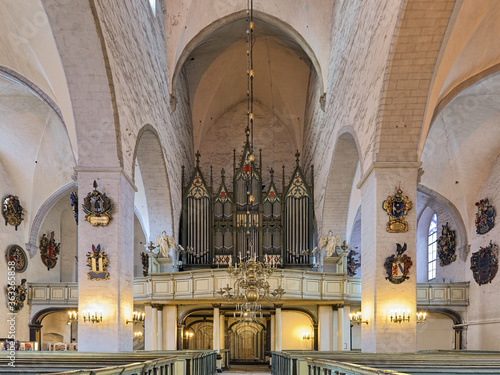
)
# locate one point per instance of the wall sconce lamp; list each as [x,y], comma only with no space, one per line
[400,316]
[137,317]
[189,334]
[421,317]
[72,317]
[138,335]
[306,336]
[357,318]
[92,317]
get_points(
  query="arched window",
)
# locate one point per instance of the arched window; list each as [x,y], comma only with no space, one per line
[432,249]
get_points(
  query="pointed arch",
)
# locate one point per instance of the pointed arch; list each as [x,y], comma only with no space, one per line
[150,159]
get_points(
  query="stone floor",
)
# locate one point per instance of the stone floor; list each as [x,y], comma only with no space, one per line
[248,369]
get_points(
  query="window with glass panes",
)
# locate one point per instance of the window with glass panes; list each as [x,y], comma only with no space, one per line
[432,249]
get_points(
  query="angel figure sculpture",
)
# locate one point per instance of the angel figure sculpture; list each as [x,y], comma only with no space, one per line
[167,245]
[326,248]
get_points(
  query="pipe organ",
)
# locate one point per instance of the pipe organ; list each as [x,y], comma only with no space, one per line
[220,226]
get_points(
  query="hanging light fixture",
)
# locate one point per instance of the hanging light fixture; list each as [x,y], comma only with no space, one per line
[250,274]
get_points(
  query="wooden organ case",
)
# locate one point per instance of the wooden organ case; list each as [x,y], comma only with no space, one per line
[216,229]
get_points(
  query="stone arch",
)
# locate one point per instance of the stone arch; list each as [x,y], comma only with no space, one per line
[340,179]
[35,325]
[42,213]
[151,160]
[403,88]
[291,33]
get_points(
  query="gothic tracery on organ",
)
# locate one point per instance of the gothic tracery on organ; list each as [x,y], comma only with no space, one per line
[219,224]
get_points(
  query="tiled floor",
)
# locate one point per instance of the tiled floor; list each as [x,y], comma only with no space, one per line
[248,369]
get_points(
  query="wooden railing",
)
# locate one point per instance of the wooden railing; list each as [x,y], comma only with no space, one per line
[133,363]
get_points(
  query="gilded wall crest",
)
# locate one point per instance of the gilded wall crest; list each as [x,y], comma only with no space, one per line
[97,207]
[17,258]
[446,245]
[484,264]
[398,266]
[397,207]
[97,262]
[16,295]
[12,211]
[485,216]
[49,250]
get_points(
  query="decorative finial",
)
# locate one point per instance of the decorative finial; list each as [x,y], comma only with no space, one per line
[271,172]
[297,157]
[95,185]
[223,174]
[198,158]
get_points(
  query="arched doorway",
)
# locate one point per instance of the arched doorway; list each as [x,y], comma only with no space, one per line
[247,342]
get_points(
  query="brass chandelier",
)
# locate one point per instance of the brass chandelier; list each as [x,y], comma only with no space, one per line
[250,274]
[250,287]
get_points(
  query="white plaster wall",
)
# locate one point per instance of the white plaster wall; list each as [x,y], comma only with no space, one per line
[483,317]
[294,324]
[27,46]
[278,147]
[57,323]
[69,243]
[436,334]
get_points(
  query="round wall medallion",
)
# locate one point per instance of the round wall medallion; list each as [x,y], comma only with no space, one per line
[16,254]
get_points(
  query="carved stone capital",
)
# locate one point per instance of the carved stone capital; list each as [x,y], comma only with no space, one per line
[157,306]
[216,305]
[278,305]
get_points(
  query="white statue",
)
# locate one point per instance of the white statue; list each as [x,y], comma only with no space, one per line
[167,245]
[326,248]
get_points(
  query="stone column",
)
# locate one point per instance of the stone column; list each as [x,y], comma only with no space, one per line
[159,327]
[273,331]
[114,296]
[170,331]
[325,314]
[278,346]
[378,295]
[216,336]
[154,328]
[344,325]
[222,330]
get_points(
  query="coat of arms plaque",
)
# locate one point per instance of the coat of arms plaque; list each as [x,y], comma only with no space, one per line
[485,216]
[16,295]
[49,250]
[397,207]
[17,256]
[484,264]
[12,211]
[97,207]
[97,262]
[446,246]
[398,266]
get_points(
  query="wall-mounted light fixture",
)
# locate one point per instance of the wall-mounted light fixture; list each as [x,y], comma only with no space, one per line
[72,317]
[92,317]
[421,317]
[137,317]
[138,335]
[188,334]
[306,336]
[357,318]
[400,316]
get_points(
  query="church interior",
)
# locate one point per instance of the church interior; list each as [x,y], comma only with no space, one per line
[250,177]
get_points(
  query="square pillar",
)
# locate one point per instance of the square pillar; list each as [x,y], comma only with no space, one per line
[325,317]
[344,328]
[379,296]
[170,327]
[113,297]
